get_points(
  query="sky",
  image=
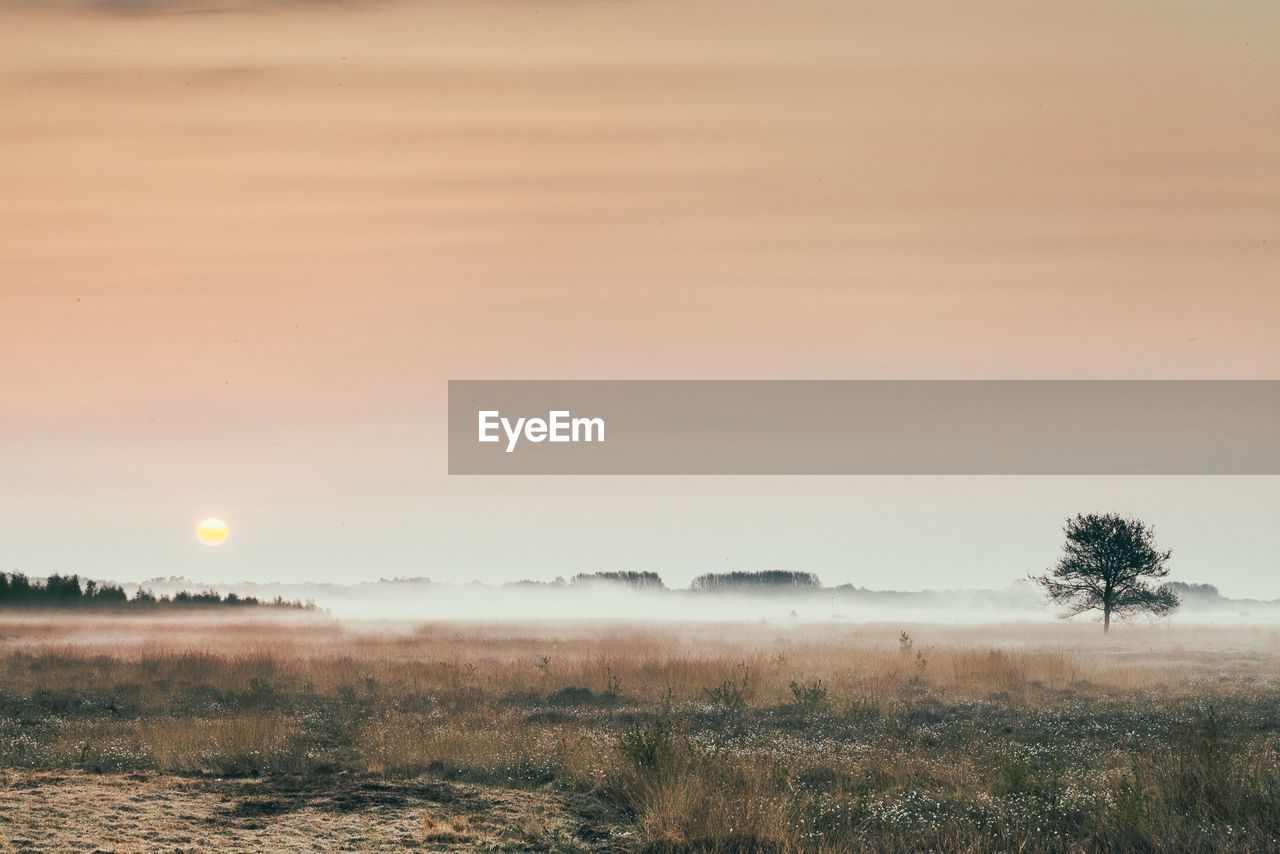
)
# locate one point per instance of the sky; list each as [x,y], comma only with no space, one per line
[244,245]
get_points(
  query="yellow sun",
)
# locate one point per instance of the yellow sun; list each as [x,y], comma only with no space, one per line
[212,532]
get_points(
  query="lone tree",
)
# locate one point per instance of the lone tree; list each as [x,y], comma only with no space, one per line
[1103,566]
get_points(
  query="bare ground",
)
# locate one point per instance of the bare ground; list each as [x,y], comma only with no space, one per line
[76,811]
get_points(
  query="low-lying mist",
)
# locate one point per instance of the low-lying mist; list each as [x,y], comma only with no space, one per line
[424,600]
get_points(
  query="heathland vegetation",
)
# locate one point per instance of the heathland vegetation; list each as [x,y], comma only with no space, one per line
[716,737]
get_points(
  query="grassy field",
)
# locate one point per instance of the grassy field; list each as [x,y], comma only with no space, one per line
[243,733]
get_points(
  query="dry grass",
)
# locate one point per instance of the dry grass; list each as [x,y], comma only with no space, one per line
[693,737]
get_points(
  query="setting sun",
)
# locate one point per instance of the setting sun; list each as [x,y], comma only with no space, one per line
[212,532]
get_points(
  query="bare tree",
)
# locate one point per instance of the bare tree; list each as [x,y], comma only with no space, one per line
[1103,566]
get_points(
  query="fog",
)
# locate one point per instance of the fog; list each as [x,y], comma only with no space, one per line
[417,600]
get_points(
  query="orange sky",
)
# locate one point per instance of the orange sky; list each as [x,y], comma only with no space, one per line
[241,250]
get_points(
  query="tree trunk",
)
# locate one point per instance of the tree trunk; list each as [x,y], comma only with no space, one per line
[1106,620]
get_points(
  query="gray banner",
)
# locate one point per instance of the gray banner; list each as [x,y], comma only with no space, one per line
[715,427]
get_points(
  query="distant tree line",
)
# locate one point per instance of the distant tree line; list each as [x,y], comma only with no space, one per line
[529,583]
[65,591]
[637,580]
[767,581]
[1183,588]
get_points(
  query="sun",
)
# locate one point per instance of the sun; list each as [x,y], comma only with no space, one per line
[212,532]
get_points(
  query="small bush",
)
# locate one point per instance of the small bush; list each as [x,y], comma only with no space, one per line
[648,746]
[809,697]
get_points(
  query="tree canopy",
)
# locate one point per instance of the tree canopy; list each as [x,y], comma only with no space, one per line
[626,578]
[768,580]
[63,591]
[1105,564]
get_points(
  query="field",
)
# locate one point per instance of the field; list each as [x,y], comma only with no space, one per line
[298,732]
